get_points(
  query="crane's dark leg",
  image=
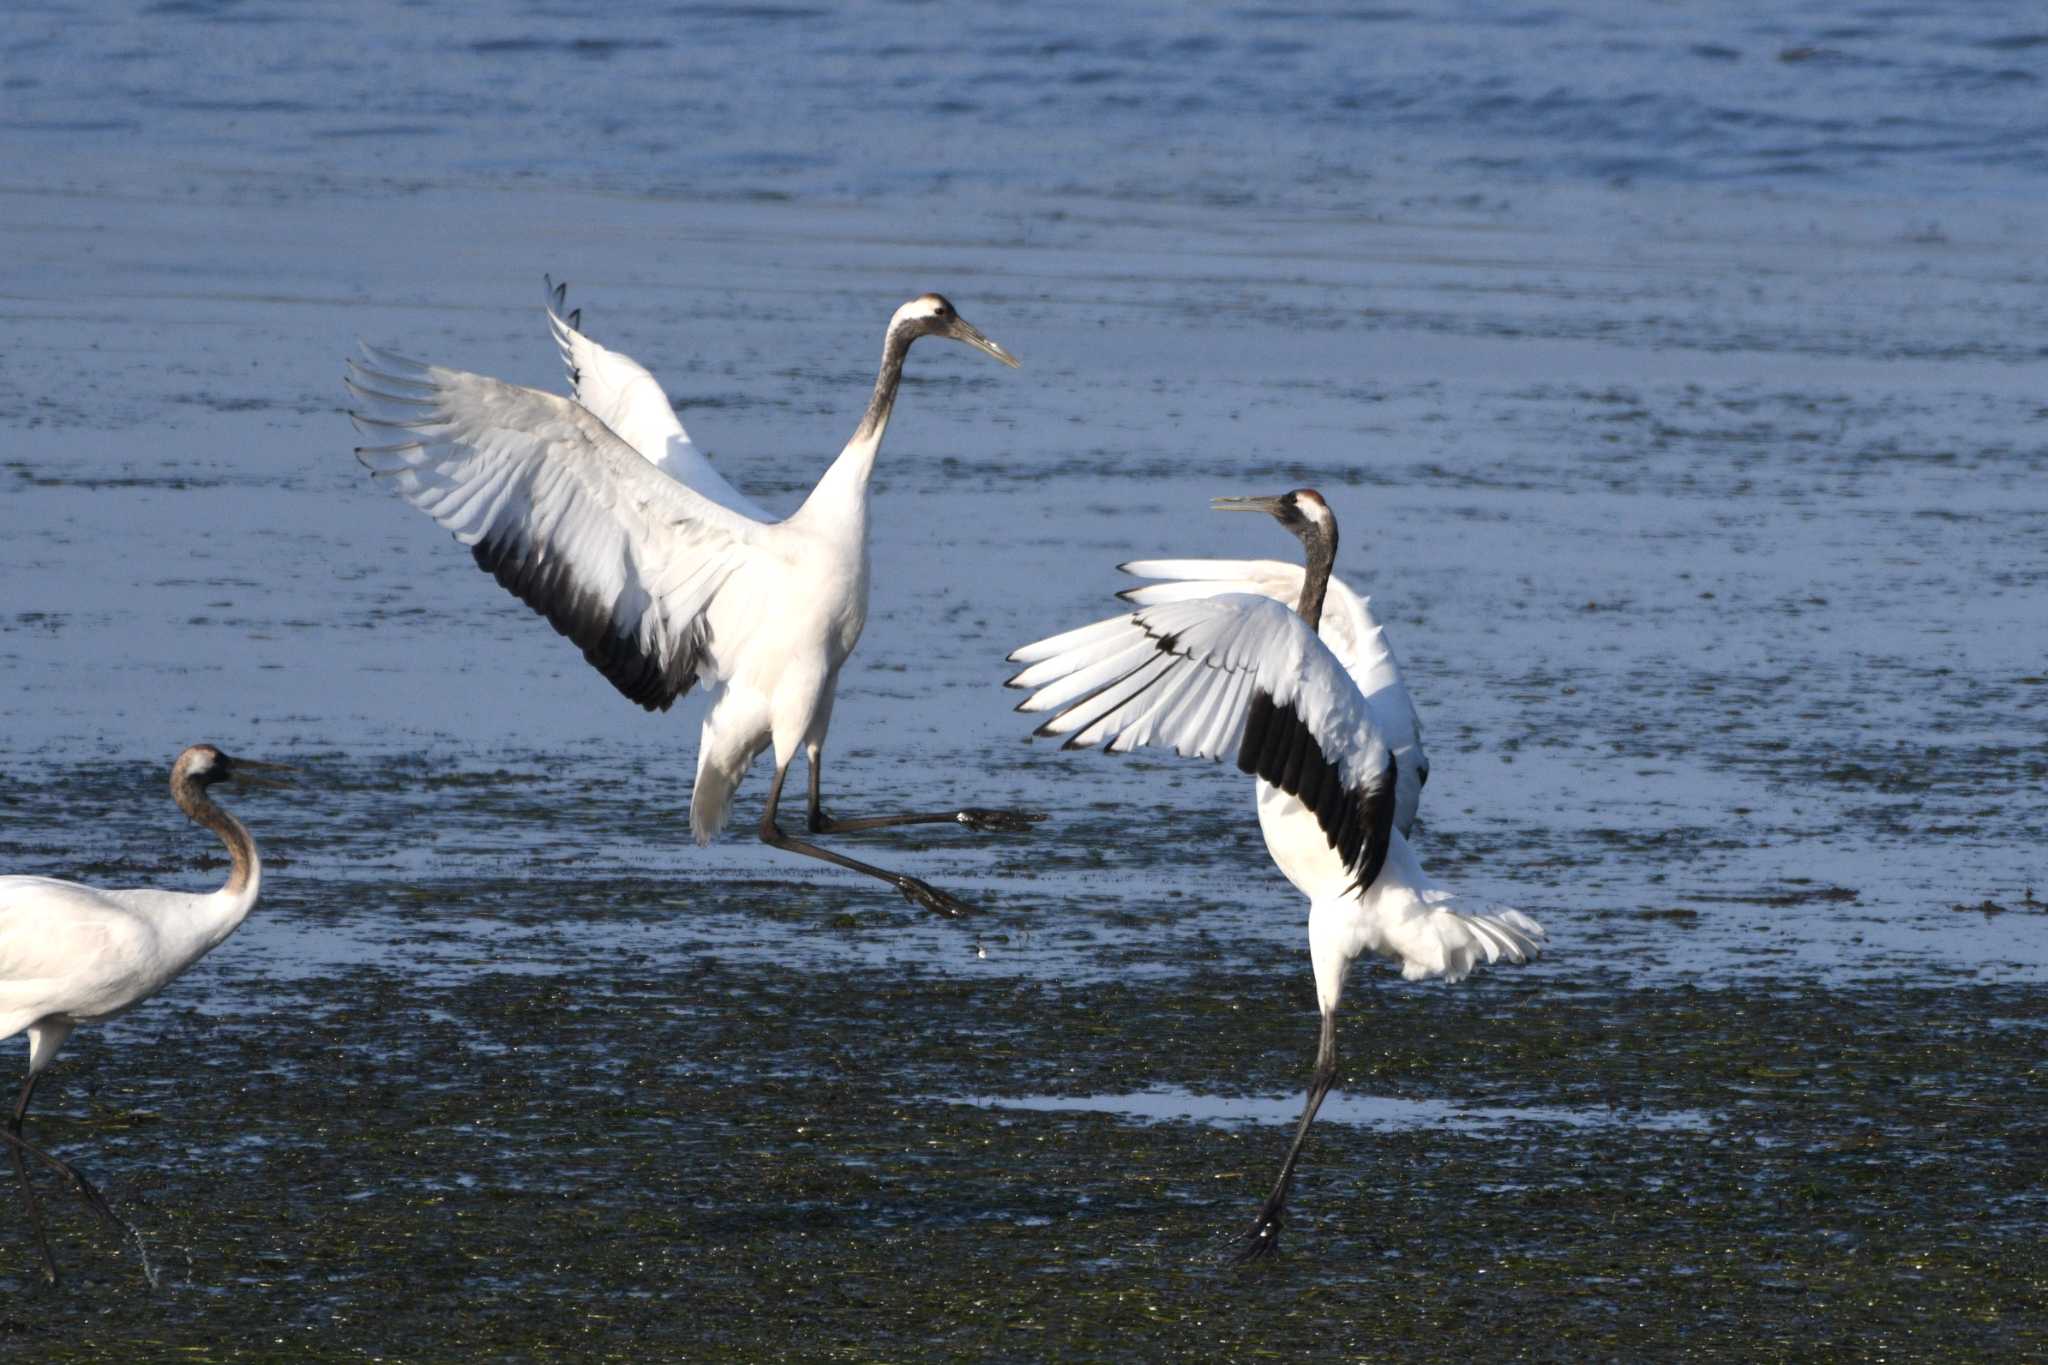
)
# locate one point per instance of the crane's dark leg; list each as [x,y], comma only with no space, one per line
[1265,1230]
[974,817]
[914,891]
[21,1148]
[28,1194]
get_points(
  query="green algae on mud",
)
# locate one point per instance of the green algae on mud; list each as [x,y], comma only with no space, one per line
[635,1160]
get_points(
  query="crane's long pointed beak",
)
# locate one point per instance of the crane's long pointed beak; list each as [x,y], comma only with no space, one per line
[1270,506]
[963,330]
[246,772]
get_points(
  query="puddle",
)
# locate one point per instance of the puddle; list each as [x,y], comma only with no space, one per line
[1385,1113]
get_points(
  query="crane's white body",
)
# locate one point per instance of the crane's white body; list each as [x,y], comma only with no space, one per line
[1120,688]
[1425,927]
[640,541]
[73,954]
[779,643]
[777,640]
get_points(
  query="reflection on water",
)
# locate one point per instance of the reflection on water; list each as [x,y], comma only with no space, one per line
[1170,1104]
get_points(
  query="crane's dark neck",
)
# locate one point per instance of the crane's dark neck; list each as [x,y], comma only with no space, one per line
[1321,544]
[840,499]
[192,799]
[875,420]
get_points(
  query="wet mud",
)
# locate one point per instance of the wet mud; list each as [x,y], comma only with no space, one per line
[619,1113]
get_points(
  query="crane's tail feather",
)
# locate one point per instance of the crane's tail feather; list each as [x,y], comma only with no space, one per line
[1433,940]
[711,798]
[724,753]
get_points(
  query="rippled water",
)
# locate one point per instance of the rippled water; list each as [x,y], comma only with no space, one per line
[1674,372]
[1277,106]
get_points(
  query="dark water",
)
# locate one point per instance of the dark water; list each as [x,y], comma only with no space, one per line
[1674,373]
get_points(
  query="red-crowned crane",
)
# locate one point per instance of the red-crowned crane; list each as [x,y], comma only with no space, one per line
[600,513]
[1241,674]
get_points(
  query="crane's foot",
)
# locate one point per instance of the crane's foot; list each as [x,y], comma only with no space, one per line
[1261,1240]
[94,1200]
[931,898]
[1000,821]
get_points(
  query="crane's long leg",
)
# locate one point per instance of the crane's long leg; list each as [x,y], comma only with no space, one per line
[914,891]
[1265,1230]
[22,1147]
[28,1194]
[974,817]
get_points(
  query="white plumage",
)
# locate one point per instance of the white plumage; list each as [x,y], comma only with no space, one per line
[601,514]
[1182,676]
[73,954]
[620,392]
[1238,674]
[1348,627]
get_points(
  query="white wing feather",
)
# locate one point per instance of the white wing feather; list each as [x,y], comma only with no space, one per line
[1348,627]
[621,557]
[621,393]
[1181,675]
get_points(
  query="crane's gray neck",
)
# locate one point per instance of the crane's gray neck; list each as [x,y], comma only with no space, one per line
[840,499]
[1321,545]
[875,420]
[192,799]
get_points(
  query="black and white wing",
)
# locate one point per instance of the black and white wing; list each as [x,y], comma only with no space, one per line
[626,398]
[1349,628]
[619,556]
[1236,674]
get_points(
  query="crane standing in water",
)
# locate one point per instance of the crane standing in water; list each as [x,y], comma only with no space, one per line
[72,954]
[600,513]
[1240,673]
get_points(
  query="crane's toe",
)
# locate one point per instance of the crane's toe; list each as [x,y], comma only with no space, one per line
[931,898]
[1260,1241]
[1000,821]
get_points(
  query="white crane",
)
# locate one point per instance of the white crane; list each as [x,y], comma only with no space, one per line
[72,954]
[1240,673]
[600,513]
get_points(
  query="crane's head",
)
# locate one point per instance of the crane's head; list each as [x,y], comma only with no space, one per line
[930,315]
[206,765]
[1303,512]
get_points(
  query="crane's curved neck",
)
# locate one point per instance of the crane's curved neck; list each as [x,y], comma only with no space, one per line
[882,401]
[1321,544]
[246,876]
[843,490]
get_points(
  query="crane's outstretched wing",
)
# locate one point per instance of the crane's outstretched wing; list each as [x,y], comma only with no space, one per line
[1348,627]
[626,398]
[1233,674]
[620,557]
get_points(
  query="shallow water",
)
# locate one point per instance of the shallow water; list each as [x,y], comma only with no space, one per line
[1166,1103]
[1676,388]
